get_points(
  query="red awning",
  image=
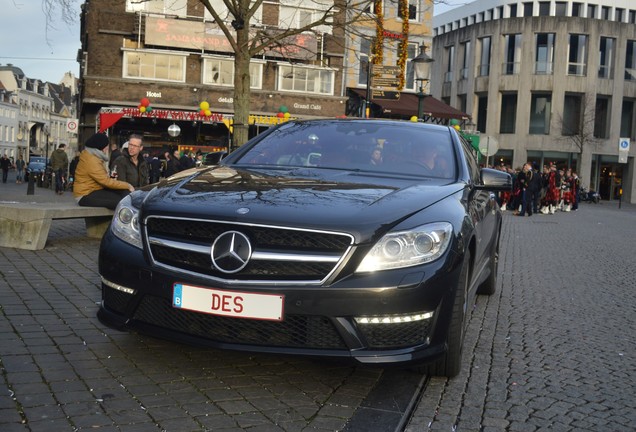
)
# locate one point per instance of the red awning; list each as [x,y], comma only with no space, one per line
[406,106]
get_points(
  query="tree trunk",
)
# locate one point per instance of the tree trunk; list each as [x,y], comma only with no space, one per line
[241,89]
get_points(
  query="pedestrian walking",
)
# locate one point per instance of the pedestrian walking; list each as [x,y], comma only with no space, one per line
[20,164]
[5,164]
[59,166]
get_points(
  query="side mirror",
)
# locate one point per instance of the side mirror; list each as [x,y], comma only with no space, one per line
[494,180]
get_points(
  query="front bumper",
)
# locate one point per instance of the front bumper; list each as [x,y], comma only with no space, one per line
[320,321]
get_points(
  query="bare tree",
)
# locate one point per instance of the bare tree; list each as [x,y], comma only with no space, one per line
[235,18]
[577,123]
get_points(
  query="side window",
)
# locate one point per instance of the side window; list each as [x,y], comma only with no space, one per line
[471,161]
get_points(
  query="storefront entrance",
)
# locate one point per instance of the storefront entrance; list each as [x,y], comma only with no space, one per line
[610,180]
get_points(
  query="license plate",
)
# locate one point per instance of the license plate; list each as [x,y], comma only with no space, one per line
[228,303]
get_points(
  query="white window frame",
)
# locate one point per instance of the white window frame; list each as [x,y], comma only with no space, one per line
[165,7]
[285,70]
[298,13]
[226,76]
[142,72]
[415,3]
[221,9]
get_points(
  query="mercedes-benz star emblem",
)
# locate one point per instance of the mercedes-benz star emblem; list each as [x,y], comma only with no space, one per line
[231,252]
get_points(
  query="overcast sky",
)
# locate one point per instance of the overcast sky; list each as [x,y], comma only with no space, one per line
[25,43]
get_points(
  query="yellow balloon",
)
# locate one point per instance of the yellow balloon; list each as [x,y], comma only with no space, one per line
[457,127]
[287,115]
[204,106]
[208,113]
[414,118]
[142,109]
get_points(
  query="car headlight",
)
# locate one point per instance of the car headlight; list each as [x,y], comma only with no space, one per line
[125,223]
[409,248]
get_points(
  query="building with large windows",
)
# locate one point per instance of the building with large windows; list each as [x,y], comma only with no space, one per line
[550,81]
[171,55]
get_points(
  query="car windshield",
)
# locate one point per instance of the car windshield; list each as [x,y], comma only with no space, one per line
[381,147]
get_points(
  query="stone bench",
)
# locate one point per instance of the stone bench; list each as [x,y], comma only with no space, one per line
[27,225]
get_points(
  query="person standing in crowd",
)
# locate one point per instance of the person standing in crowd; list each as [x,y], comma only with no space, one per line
[524,180]
[535,188]
[576,190]
[114,154]
[173,165]
[185,161]
[20,164]
[552,194]
[155,169]
[59,166]
[93,186]
[5,164]
[72,167]
[130,166]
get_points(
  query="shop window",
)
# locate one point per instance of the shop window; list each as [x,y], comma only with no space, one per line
[482,113]
[484,58]
[606,57]
[560,8]
[305,80]
[627,119]
[220,72]
[577,57]
[154,66]
[508,113]
[466,54]
[601,117]
[630,61]
[572,115]
[512,54]
[544,57]
[540,108]
[527,9]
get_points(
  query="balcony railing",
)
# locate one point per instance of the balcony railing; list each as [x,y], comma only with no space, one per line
[577,69]
[543,68]
[511,68]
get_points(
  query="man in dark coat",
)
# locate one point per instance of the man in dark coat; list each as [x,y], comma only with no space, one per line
[131,166]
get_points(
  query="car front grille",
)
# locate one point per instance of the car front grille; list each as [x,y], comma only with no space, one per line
[279,254]
[296,331]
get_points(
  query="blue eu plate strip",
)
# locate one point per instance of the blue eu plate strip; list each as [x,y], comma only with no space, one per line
[177,296]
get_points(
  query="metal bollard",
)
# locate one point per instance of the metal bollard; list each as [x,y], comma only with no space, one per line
[31,185]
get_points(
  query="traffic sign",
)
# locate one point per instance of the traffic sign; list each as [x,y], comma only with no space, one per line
[385,76]
[385,94]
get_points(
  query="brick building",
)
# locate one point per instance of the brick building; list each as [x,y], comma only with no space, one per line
[171,53]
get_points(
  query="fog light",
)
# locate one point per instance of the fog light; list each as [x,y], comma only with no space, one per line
[394,319]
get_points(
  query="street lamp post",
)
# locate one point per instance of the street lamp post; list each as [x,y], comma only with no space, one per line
[422,68]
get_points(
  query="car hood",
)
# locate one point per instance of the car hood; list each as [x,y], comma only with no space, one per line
[333,200]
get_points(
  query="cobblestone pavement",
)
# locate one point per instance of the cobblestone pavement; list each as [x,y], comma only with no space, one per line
[553,349]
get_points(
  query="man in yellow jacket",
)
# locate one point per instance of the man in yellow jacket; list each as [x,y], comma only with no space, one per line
[93,186]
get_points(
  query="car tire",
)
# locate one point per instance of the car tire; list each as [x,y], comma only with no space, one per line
[451,362]
[489,286]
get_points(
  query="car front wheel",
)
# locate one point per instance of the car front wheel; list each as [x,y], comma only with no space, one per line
[450,364]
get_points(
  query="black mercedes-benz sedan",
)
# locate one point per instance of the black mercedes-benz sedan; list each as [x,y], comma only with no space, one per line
[343,238]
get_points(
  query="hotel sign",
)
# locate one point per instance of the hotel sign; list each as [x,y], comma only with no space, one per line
[207,36]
